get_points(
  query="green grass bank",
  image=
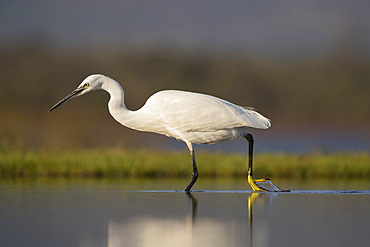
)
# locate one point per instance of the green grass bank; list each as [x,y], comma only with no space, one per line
[148,163]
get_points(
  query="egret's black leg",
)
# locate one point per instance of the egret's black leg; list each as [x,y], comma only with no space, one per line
[194,176]
[251,181]
[259,184]
[250,140]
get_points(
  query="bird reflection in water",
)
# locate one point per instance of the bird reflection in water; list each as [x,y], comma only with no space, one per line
[194,206]
[259,217]
[207,227]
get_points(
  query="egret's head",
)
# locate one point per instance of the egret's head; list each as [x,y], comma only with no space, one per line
[91,83]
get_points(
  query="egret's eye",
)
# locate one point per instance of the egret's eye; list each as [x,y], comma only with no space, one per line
[86,85]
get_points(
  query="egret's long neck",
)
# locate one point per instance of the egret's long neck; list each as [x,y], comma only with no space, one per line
[117,108]
[117,99]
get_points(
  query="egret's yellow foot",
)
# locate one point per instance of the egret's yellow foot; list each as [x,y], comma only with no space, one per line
[260,185]
[253,184]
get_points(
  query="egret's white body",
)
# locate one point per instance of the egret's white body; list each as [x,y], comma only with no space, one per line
[190,117]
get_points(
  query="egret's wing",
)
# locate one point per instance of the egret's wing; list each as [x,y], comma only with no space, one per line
[194,112]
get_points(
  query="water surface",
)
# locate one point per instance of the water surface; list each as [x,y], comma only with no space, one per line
[70,212]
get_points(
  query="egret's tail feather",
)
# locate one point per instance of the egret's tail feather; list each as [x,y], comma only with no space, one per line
[254,119]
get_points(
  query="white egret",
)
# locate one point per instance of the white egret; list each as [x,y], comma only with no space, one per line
[191,117]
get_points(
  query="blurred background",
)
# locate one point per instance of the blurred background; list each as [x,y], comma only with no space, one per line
[304,64]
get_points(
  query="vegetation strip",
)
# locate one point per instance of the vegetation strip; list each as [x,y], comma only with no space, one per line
[148,163]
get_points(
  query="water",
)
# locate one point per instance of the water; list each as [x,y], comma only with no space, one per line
[70,212]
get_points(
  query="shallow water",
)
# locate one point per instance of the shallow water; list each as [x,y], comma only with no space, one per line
[70,212]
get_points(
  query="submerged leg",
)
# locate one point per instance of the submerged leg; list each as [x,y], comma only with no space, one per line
[194,176]
[258,184]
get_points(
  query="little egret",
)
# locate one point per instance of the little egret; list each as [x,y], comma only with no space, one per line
[191,117]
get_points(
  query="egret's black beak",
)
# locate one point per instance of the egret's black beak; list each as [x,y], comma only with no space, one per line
[68,97]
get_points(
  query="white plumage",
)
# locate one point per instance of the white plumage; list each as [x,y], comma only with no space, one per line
[190,117]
